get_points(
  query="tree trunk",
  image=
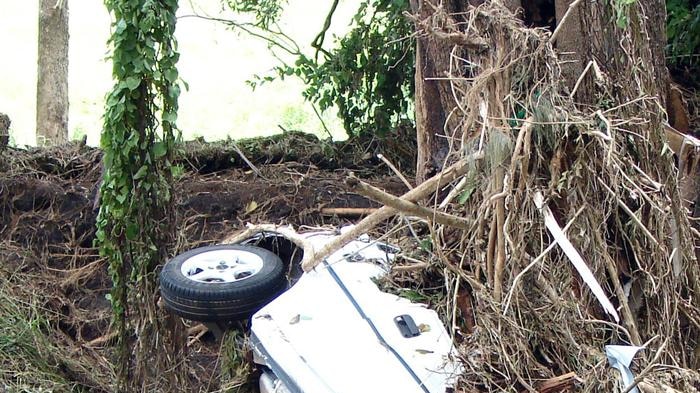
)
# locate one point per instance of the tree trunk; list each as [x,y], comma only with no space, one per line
[436,129]
[52,83]
[567,44]
[604,29]
[434,100]
[601,156]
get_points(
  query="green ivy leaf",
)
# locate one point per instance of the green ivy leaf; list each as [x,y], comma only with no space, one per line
[171,75]
[121,197]
[132,82]
[141,172]
[159,149]
[170,117]
[132,231]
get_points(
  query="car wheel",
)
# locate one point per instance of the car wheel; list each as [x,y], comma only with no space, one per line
[221,283]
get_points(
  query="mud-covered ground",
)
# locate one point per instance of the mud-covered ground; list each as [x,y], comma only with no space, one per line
[54,281]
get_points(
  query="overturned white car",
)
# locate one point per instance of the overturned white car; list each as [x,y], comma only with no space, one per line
[332,331]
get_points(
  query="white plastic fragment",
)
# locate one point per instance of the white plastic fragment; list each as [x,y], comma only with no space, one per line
[570,251]
[620,357]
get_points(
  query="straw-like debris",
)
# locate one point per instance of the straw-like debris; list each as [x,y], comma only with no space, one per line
[522,315]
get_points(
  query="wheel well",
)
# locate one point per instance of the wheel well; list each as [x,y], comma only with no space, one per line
[290,254]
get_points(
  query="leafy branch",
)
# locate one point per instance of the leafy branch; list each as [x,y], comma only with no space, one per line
[367,75]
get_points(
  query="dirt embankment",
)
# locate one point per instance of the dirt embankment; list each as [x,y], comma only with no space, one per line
[52,273]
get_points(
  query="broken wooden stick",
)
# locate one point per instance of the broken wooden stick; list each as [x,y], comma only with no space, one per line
[561,23]
[500,261]
[423,190]
[286,231]
[348,211]
[396,171]
[197,331]
[557,384]
[102,340]
[405,206]
[247,161]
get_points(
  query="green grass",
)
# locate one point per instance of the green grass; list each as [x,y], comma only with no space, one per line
[215,62]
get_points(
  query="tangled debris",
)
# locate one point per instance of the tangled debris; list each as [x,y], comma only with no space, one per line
[525,319]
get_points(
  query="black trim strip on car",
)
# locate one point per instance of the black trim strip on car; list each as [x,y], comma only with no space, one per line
[274,366]
[373,327]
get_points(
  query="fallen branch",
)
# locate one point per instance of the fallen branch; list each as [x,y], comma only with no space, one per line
[404,206]
[410,268]
[286,231]
[423,190]
[558,383]
[348,211]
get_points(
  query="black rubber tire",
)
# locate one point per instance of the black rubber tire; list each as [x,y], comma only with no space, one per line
[221,302]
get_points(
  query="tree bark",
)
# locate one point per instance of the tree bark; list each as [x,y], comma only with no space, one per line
[567,42]
[604,45]
[52,71]
[434,99]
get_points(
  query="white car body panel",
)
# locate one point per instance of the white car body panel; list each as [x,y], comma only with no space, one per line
[334,331]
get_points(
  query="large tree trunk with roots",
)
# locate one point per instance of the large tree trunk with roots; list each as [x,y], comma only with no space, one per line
[585,130]
[438,130]
[52,83]
[434,101]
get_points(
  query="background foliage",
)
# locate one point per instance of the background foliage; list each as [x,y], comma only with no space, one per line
[367,75]
[683,31]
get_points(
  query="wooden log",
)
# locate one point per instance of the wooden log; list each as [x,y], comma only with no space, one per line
[348,211]
[557,384]
[423,190]
[407,207]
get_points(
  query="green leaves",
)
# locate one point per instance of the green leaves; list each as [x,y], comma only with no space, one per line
[141,172]
[170,75]
[367,76]
[133,227]
[621,8]
[132,82]
[266,12]
[132,231]
[683,32]
[159,150]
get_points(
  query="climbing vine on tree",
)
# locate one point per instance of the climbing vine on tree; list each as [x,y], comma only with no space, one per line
[139,140]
